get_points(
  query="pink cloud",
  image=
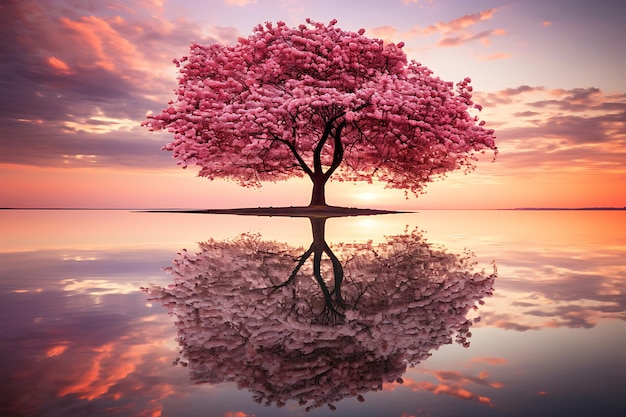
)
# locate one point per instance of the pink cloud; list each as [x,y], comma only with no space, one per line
[460,24]
[490,361]
[461,38]
[87,69]
[240,3]
[496,56]
[459,378]
[453,383]
[384,32]
[101,44]
[59,65]
[452,389]
[453,33]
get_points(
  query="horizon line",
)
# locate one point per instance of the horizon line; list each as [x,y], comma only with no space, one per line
[165,209]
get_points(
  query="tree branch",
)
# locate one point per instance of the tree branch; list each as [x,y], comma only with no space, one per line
[317,154]
[338,152]
[295,153]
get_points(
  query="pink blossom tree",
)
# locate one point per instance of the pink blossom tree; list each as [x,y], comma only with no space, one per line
[248,311]
[319,101]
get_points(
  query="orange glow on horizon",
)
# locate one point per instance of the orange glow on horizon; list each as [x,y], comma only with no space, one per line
[101,187]
[236,414]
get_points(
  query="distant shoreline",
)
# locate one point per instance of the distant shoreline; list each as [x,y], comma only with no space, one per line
[566,209]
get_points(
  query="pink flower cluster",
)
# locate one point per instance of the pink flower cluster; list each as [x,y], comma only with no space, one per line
[259,110]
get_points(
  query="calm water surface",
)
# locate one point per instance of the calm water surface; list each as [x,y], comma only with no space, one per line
[154,314]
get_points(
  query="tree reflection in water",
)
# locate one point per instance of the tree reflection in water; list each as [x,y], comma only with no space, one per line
[249,311]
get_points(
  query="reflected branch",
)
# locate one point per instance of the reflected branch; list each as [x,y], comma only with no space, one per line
[295,271]
[331,311]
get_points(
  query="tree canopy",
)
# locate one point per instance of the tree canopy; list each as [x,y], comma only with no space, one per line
[317,100]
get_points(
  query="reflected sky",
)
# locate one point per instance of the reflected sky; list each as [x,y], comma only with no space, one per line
[81,338]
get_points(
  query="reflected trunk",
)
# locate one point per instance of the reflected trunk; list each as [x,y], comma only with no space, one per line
[334,304]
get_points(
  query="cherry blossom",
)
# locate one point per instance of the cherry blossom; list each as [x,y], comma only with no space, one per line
[319,101]
[255,313]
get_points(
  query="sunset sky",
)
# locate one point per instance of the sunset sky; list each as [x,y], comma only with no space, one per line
[78,77]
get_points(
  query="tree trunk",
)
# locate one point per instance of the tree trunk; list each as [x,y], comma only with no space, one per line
[318,197]
[318,225]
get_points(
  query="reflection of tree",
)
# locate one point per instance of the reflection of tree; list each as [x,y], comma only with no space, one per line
[388,305]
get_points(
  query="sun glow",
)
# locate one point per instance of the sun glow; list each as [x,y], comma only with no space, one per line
[367,196]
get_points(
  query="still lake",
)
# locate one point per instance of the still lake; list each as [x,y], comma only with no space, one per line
[119,313]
